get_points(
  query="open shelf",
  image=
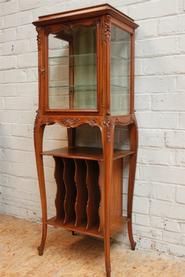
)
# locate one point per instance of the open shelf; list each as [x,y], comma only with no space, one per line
[83,230]
[87,153]
[78,195]
[71,227]
[79,198]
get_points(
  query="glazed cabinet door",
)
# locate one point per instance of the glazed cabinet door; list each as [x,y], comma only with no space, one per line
[120,62]
[72,83]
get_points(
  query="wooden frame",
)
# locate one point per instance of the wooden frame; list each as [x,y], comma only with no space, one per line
[100,202]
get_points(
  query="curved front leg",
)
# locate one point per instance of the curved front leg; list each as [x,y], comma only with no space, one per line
[108,148]
[132,172]
[38,142]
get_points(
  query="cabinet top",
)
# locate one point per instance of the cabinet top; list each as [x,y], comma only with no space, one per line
[99,10]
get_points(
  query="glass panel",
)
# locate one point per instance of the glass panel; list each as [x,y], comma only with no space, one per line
[120,71]
[72,68]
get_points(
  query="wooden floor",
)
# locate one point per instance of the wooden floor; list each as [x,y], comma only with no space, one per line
[72,256]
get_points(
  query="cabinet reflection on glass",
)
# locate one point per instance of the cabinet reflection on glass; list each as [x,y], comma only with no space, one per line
[72,68]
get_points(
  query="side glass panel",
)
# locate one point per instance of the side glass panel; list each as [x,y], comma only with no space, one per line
[72,80]
[120,71]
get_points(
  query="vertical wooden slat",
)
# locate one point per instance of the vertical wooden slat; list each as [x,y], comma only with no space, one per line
[93,194]
[101,205]
[60,195]
[70,196]
[82,194]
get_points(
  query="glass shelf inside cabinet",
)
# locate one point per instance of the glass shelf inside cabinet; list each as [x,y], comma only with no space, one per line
[86,59]
[73,69]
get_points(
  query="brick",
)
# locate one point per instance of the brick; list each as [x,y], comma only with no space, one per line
[13,116]
[177,250]
[157,156]
[167,209]
[157,222]
[142,102]
[27,60]
[19,169]
[182,43]
[163,65]
[56,132]
[7,62]
[25,18]
[147,29]
[32,74]
[33,44]
[16,47]
[172,25]
[141,205]
[29,4]
[182,120]
[171,225]
[172,237]
[162,120]
[17,142]
[22,130]
[161,247]
[143,231]
[5,129]
[8,35]
[142,189]
[180,83]
[129,2]
[180,195]
[12,155]
[163,174]
[157,47]
[9,7]
[151,9]
[14,76]
[180,157]
[26,31]
[155,84]
[168,102]
[18,103]
[28,89]
[54,144]
[2,105]
[10,21]
[175,139]
[153,138]
[164,192]
[142,219]
[144,243]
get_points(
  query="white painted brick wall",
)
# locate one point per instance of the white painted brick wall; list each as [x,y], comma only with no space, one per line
[159,201]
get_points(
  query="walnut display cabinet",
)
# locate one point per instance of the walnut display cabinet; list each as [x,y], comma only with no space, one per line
[86,84]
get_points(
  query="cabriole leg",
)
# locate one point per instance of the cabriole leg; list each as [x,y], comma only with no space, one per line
[132,171]
[108,144]
[38,142]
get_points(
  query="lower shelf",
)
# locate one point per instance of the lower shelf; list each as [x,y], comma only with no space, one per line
[80,196]
[71,227]
[94,231]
